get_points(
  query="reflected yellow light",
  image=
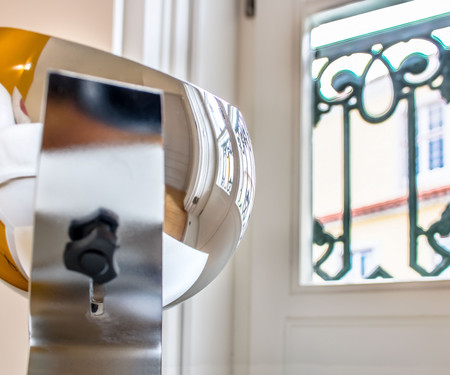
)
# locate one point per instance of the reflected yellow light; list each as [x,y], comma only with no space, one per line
[22,67]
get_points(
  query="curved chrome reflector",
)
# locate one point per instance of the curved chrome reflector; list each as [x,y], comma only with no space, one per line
[209,165]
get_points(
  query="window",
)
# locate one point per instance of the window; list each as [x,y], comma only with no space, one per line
[433,132]
[389,71]
[362,262]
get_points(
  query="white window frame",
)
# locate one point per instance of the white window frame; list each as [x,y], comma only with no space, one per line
[314,14]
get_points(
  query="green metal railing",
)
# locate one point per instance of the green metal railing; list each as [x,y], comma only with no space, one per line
[351,86]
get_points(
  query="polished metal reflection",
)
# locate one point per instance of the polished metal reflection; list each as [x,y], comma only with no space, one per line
[209,167]
[92,158]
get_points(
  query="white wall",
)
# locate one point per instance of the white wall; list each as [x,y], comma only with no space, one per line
[83,21]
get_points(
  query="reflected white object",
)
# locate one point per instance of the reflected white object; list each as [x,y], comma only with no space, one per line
[182,265]
[6,112]
[19,148]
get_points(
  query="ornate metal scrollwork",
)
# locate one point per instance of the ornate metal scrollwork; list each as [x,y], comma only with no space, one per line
[442,228]
[338,84]
[320,237]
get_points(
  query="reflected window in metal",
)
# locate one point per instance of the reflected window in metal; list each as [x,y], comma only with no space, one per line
[225,172]
[217,114]
[370,92]
[246,192]
[436,138]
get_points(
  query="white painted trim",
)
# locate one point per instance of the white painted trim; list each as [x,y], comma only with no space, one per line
[133,30]
[195,40]
[152,38]
[166,36]
[163,31]
[117,32]
[142,31]
[181,43]
[172,340]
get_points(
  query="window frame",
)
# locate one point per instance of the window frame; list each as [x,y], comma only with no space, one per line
[312,15]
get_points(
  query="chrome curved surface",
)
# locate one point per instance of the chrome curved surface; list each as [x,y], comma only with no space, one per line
[209,166]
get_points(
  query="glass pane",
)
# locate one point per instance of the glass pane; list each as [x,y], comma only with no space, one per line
[381,146]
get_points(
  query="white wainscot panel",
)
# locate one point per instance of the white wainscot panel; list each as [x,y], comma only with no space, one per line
[367,346]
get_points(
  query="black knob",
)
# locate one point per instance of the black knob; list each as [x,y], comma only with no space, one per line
[80,228]
[94,242]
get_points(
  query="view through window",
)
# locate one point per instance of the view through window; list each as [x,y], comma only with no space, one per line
[381,145]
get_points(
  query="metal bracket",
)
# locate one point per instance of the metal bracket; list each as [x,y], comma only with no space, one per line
[102,147]
[250,8]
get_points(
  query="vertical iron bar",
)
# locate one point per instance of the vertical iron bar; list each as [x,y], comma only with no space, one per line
[412,181]
[347,190]
[346,220]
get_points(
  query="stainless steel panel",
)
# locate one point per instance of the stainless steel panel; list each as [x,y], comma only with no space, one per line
[102,148]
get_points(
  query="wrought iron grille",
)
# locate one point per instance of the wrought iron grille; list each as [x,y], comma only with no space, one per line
[415,70]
